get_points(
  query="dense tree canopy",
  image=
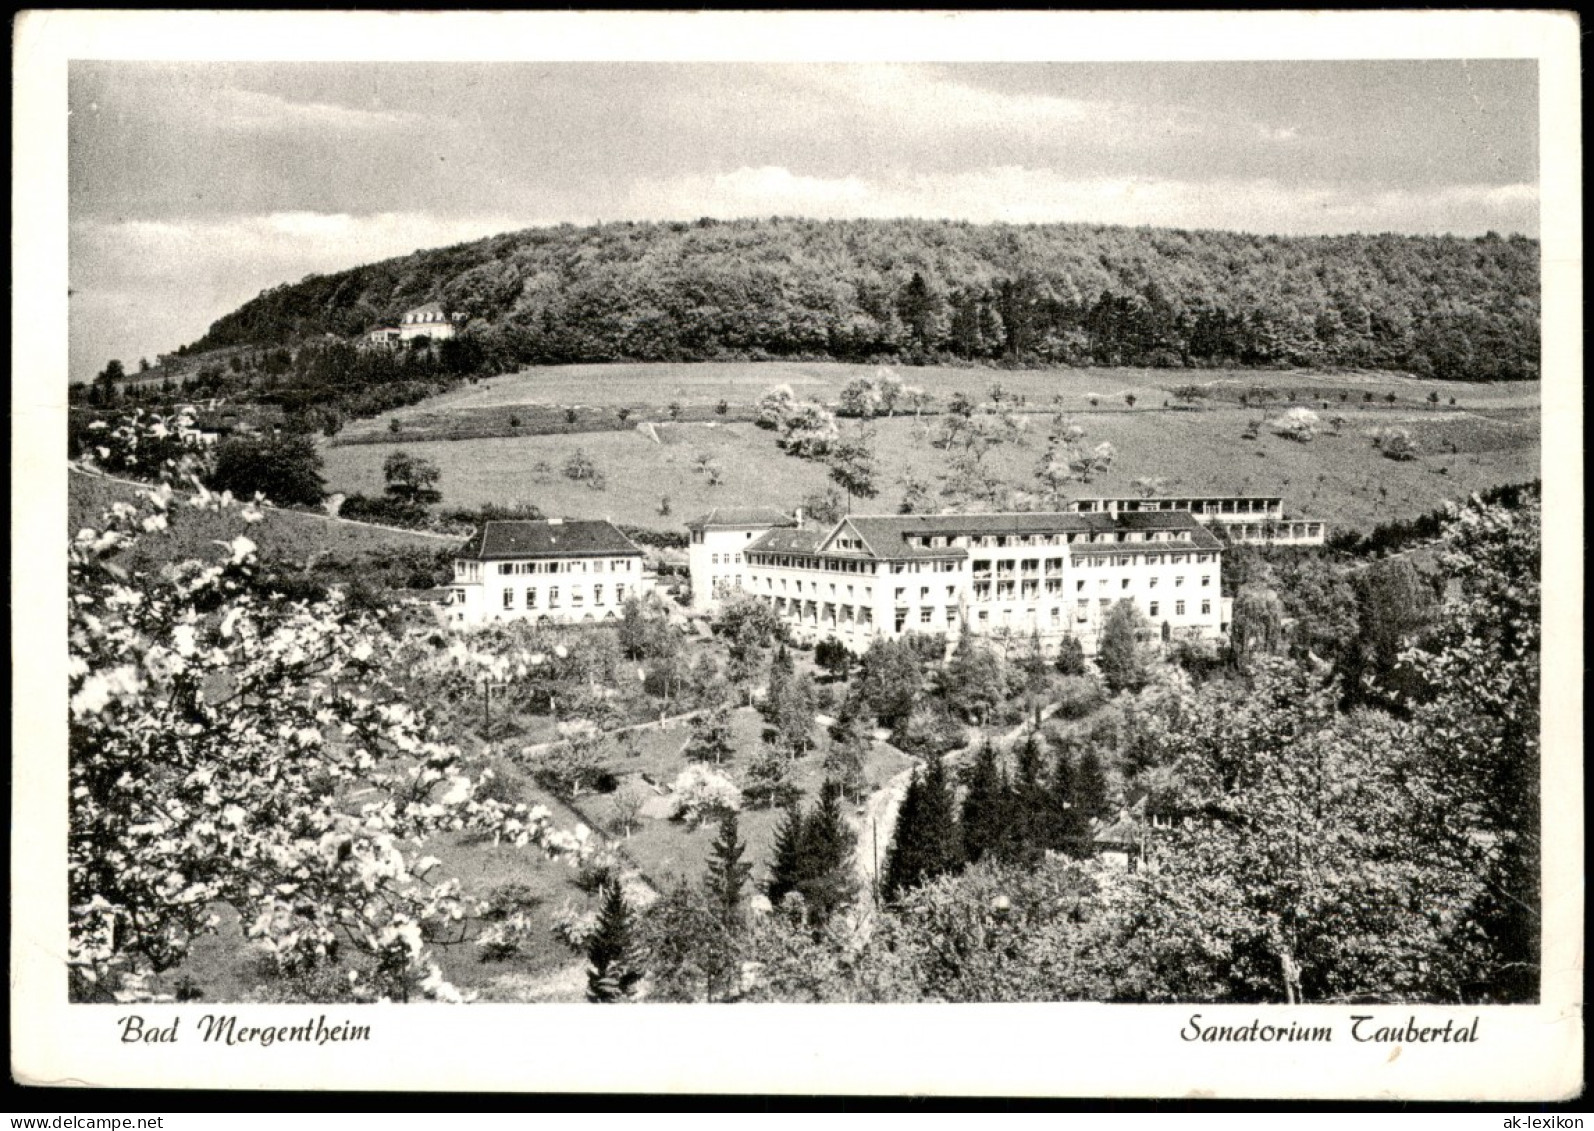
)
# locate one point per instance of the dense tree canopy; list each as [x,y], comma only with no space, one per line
[919,291]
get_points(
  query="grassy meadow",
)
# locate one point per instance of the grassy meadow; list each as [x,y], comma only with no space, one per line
[708,383]
[1490,437]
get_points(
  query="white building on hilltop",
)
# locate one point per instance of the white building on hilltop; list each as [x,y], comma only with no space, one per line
[1046,574]
[427,321]
[552,570]
[719,542]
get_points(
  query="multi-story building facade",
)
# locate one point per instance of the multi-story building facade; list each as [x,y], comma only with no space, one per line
[1243,518]
[554,570]
[1051,575]
[718,546]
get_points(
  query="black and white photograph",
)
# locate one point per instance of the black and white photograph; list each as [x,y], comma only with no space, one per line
[666,510]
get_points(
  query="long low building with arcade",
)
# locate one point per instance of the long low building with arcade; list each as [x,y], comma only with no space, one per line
[1046,574]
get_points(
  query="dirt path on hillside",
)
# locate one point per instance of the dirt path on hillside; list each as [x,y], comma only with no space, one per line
[876,823]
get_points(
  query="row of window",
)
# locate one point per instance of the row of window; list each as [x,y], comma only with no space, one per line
[1007,566]
[982,590]
[1195,506]
[1151,582]
[998,541]
[714,559]
[816,612]
[813,587]
[1095,562]
[1009,590]
[797,610]
[832,565]
[577,597]
[596,565]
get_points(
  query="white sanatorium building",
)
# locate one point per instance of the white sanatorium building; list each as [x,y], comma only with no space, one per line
[554,570]
[1053,574]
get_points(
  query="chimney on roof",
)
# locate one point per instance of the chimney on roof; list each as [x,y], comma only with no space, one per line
[799,517]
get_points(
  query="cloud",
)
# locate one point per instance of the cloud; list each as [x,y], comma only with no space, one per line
[1016,194]
[257,112]
[918,97]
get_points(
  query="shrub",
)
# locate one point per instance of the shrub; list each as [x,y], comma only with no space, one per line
[597,872]
[385,510]
[498,780]
[1396,444]
[1078,696]
[1298,424]
[775,406]
[567,769]
[581,468]
[510,928]
[928,730]
[701,794]
[285,469]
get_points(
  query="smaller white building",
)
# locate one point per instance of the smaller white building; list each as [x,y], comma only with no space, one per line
[428,321]
[717,550]
[555,570]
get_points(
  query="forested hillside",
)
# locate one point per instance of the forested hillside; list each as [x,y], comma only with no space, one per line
[928,291]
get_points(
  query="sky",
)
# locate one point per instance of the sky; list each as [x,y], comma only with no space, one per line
[194,186]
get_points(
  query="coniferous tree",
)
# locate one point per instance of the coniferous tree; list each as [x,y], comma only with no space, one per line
[827,881]
[786,858]
[926,841]
[984,809]
[1059,798]
[946,838]
[904,863]
[1090,788]
[613,956]
[1071,656]
[1028,805]
[727,873]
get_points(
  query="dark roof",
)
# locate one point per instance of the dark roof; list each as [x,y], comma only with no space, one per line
[1122,833]
[1144,520]
[547,538]
[789,540]
[886,536]
[744,516]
